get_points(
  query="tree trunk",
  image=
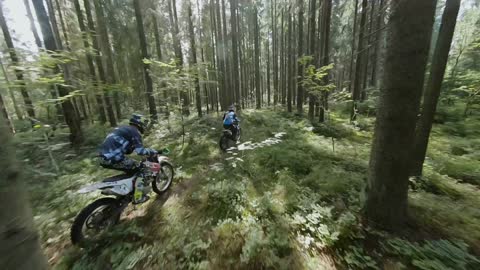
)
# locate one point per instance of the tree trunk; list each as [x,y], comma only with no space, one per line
[406,59]
[91,66]
[193,61]
[235,62]
[146,66]
[352,57]
[99,62]
[32,24]
[300,54]
[104,41]
[6,117]
[10,91]
[311,52]
[15,61]
[359,65]
[434,85]
[20,247]
[377,42]
[274,51]
[76,134]
[290,53]
[257,58]
[325,55]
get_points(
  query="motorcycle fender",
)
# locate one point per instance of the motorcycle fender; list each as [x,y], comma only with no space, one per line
[121,187]
[164,159]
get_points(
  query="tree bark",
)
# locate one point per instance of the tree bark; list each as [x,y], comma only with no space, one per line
[311,52]
[91,66]
[257,58]
[235,62]
[6,117]
[76,134]
[10,91]
[104,41]
[434,85]
[406,59]
[325,55]
[32,24]
[300,54]
[193,61]
[352,57]
[99,62]
[359,65]
[20,247]
[15,61]
[146,66]
[377,42]
[291,74]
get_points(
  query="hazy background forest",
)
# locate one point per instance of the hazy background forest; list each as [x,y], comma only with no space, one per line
[360,131]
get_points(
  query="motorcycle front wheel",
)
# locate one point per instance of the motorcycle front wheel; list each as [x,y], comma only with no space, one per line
[93,220]
[164,178]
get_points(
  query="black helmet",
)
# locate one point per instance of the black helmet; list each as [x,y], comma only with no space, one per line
[137,120]
[231,108]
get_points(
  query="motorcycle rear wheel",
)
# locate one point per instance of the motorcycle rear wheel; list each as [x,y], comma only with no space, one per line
[91,219]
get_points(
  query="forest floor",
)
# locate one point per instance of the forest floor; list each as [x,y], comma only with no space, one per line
[289,197]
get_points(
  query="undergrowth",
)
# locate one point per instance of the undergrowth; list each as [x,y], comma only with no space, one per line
[289,197]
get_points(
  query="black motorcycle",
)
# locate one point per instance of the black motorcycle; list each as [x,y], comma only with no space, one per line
[228,140]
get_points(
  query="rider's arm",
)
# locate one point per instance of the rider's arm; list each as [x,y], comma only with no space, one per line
[140,149]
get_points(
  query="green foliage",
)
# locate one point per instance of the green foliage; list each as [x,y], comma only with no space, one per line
[432,255]
[314,78]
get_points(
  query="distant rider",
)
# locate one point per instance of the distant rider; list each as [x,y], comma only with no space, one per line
[230,120]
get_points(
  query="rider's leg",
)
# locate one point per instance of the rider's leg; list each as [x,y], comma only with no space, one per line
[126,165]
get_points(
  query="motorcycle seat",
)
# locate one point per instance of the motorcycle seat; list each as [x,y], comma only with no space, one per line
[117,177]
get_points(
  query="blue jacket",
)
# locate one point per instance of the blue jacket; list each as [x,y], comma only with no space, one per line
[229,118]
[123,141]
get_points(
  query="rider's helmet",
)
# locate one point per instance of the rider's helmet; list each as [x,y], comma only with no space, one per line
[138,121]
[231,108]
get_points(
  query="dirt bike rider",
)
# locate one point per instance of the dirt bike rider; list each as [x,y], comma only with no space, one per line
[230,121]
[123,141]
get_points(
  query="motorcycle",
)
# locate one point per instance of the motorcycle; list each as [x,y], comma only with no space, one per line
[102,214]
[228,140]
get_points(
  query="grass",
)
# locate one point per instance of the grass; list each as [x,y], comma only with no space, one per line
[287,202]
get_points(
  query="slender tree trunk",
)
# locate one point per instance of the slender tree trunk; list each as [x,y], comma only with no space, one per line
[257,57]
[146,66]
[291,74]
[91,66]
[193,49]
[357,85]
[6,117]
[434,84]
[377,42]
[300,54]
[325,55]
[274,51]
[104,41]
[15,61]
[76,134]
[62,23]
[32,24]
[235,62]
[311,52]
[352,57]
[267,45]
[99,62]
[10,91]
[407,54]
